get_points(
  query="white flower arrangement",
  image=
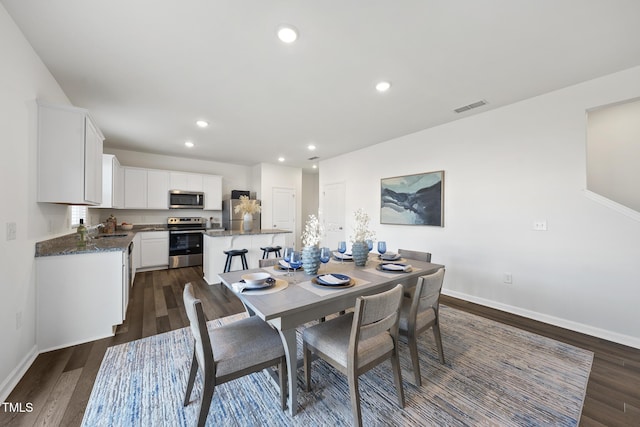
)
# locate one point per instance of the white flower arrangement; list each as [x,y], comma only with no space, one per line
[361,230]
[313,232]
[247,206]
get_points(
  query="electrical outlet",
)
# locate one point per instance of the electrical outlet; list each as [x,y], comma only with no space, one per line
[11,230]
[508,278]
[540,225]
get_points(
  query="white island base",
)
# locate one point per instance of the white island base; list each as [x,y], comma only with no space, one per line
[215,243]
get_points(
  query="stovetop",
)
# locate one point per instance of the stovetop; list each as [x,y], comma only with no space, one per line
[186,222]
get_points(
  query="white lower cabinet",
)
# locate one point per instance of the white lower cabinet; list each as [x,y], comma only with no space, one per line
[80,297]
[154,249]
[214,247]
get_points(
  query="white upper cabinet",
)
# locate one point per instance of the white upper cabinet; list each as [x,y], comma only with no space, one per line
[186,181]
[146,188]
[135,188]
[149,188]
[212,186]
[112,182]
[69,156]
[157,189]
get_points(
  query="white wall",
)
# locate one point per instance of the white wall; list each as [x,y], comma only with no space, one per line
[613,152]
[505,169]
[276,176]
[23,78]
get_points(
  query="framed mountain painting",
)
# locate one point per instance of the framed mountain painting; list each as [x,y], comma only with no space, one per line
[413,199]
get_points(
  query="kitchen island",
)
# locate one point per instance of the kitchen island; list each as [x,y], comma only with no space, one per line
[216,242]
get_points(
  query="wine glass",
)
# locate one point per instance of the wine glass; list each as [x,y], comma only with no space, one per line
[342,248]
[325,255]
[369,243]
[382,247]
[287,256]
[295,262]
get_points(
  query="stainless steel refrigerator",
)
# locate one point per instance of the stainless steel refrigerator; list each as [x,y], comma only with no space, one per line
[232,220]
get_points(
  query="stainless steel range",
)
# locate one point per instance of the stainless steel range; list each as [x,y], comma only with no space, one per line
[185,241]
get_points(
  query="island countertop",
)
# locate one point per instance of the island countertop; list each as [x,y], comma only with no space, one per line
[226,233]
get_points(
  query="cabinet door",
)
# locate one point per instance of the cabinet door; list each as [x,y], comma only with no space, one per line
[185,181]
[135,190]
[69,156]
[157,189]
[154,252]
[93,164]
[118,184]
[212,192]
[107,181]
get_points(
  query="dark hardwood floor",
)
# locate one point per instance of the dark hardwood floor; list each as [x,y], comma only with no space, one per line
[59,383]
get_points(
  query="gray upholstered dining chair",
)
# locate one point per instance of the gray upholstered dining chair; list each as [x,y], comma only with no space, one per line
[418,256]
[269,262]
[358,341]
[421,312]
[230,352]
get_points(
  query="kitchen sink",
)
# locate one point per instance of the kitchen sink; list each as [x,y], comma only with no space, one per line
[105,236]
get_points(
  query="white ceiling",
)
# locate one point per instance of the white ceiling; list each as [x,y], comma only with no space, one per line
[147,69]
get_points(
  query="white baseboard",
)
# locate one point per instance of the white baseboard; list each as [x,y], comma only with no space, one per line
[552,320]
[12,380]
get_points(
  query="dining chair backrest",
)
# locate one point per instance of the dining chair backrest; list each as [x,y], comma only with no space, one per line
[417,255]
[269,262]
[198,325]
[427,297]
[376,314]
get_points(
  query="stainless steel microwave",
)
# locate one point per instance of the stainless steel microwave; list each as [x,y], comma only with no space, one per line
[179,199]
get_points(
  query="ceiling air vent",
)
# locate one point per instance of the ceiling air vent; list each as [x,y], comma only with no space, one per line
[313,158]
[471,106]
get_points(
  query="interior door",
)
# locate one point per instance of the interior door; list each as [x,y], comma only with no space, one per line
[284,210]
[333,202]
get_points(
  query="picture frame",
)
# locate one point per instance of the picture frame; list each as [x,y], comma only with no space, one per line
[413,199]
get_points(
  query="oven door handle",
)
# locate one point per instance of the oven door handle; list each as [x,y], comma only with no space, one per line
[186,232]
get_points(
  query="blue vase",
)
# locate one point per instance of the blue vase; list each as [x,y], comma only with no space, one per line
[311,259]
[360,253]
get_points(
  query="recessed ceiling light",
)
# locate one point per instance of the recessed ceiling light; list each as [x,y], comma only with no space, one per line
[202,123]
[383,86]
[315,166]
[287,33]
[311,147]
[281,159]
[188,144]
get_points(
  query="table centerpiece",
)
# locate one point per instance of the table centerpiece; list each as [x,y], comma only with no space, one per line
[311,237]
[359,246]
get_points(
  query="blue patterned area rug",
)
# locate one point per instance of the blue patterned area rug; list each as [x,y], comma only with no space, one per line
[495,375]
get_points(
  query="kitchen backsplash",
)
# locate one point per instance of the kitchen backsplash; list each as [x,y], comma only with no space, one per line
[145,216]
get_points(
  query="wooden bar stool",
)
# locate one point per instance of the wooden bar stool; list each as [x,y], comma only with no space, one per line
[235,252]
[269,249]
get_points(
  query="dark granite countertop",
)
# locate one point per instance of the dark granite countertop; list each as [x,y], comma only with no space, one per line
[220,233]
[68,244]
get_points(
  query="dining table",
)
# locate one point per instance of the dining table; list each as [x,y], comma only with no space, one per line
[298,298]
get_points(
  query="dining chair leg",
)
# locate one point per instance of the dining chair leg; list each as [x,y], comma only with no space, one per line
[192,378]
[282,375]
[438,337]
[306,355]
[207,394]
[412,341]
[354,392]
[397,376]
